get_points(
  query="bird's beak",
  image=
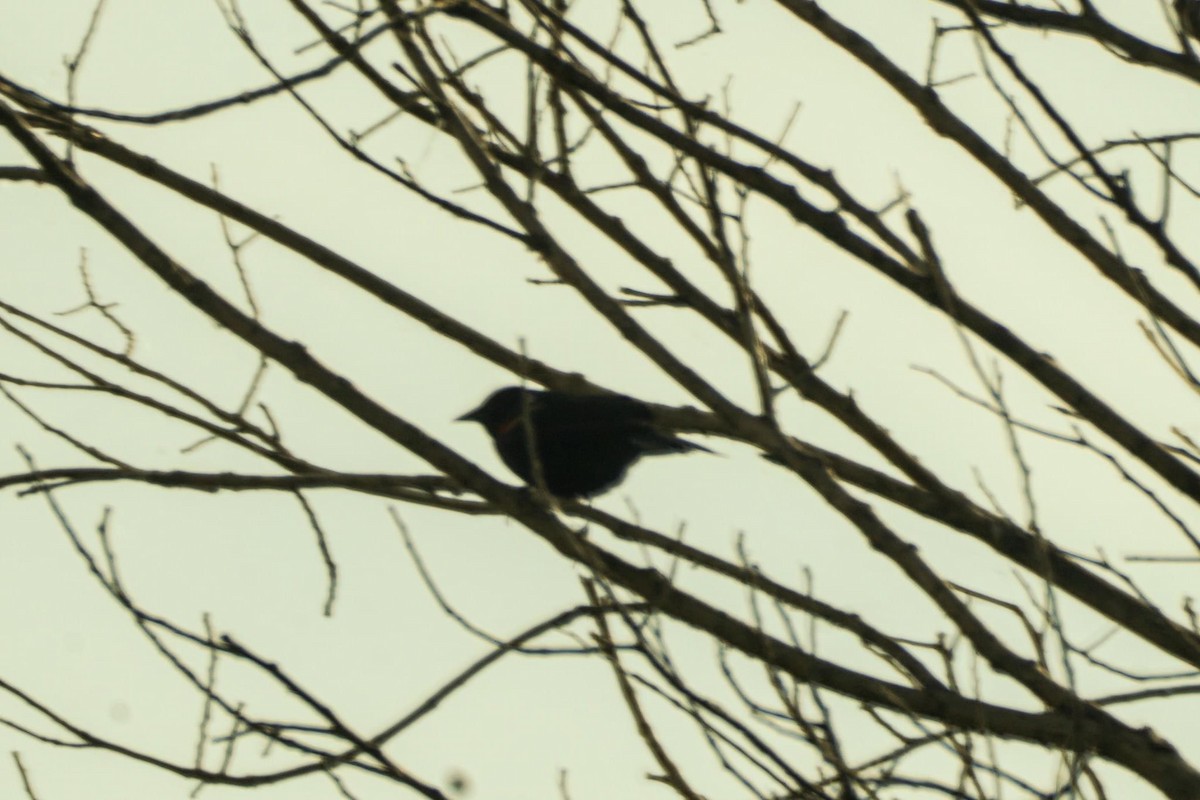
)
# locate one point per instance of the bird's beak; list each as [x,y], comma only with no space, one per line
[470,416]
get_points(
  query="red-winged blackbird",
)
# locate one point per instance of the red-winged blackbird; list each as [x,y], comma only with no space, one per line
[584,443]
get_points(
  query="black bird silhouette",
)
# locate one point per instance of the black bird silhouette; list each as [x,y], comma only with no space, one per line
[584,443]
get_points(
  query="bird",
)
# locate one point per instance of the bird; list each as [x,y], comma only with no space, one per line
[584,443]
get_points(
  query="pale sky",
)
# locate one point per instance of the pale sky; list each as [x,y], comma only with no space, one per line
[249,561]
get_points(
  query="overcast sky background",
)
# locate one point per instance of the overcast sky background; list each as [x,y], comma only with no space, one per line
[250,560]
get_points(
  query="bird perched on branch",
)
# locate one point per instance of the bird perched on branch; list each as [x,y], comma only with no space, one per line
[584,443]
[1188,12]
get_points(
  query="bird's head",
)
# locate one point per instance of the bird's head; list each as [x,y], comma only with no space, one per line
[499,410]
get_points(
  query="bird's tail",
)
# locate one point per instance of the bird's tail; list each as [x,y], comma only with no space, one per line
[655,443]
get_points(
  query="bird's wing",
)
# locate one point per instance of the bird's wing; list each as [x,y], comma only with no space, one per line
[572,417]
[599,407]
